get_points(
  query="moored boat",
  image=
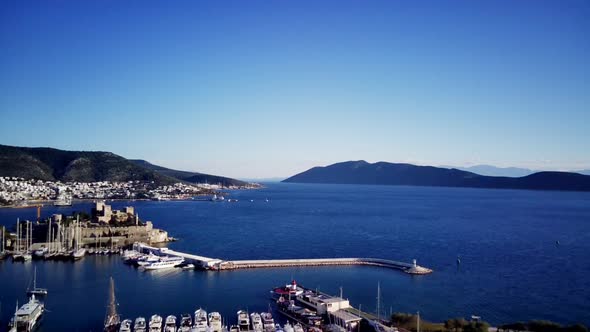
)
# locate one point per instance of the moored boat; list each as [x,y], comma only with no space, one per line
[256,321]
[164,263]
[215,321]
[155,323]
[140,325]
[170,325]
[201,323]
[125,326]
[26,318]
[243,320]
[268,323]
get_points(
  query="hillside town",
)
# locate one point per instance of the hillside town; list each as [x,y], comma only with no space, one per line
[15,190]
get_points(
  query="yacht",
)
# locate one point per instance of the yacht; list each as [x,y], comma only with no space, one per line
[40,252]
[125,326]
[215,322]
[243,320]
[35,290]
[268,323]
[234,328]
[185,323]
[256,322]
[26,317]
[147,259]
[170,325]
[278,328]
[201,320]
[164,263]
[298,328]
[288,328]
[78,254]
[140,325]
[155,323]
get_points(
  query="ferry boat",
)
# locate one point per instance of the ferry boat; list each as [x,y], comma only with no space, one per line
[243,320]
[215,322]
[170,325]
[26,317]
[155,323]
[256,321]
[164,263]
[125,326]
[201,320]
[35,290]
[185,323]
[140,325]
[268,323]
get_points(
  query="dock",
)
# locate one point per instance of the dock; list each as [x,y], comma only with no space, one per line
[219,264]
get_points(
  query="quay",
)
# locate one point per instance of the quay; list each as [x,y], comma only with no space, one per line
[219,264]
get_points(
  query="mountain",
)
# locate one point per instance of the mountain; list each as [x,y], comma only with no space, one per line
[490,170]
[89,166]
[382,173]
[186,176]
[584,171]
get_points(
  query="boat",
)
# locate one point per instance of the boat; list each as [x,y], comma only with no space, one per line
[185,323]
[298,327]
[26,317]
[215,322]
[201,323]
[278,328]
[256,321]
[170,325]
[125,326]
[35,290]
[40,253]
[63,201]
[288,327]
[140,325]
[189,266]
[268,323]
[164,263]
[216,198]
[155,323]
[79,253]
[243,320]
[112,320]
[289,290]
[147,259]
[234,328]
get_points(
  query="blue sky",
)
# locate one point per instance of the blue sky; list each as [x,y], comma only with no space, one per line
[271,88]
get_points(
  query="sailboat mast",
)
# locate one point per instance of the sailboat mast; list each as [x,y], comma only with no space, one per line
[17,234]
[378,301]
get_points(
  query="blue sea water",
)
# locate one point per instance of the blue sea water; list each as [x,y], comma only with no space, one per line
[512,268]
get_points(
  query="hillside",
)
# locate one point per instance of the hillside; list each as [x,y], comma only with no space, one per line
[382,173]
[89,166]
[186,176]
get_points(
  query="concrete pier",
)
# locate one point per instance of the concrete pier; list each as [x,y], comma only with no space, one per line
[219,264]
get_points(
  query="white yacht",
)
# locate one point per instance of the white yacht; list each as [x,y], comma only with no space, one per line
[268,323]
[186,322]
[147,259]
[155,323]
[125,326]
[243,320]
[170,325]
[256,321]
[40,252]
[140,325]
[26,317]
[164,263]
[201,320]
[215,321]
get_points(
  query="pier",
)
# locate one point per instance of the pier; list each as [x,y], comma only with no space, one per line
[219,264]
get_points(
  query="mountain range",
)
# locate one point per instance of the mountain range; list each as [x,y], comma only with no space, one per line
[50,164]
[383,173]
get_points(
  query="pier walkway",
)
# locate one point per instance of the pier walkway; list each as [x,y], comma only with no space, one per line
[219,264]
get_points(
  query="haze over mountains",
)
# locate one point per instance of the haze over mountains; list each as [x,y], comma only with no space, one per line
[383,173]
[90,166]
[515,172]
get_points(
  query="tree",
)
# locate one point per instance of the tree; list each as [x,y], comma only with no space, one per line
[575,328]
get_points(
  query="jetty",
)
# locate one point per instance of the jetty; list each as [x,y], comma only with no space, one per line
[219,264]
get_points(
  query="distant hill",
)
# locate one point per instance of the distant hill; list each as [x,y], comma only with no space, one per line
[584,171]
[186,176]
[382,173]
[490,170]
[89,166]
[84,166]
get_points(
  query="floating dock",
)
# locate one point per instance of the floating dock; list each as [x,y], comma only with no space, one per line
[219,264]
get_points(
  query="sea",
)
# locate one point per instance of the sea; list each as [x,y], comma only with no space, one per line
[523,255]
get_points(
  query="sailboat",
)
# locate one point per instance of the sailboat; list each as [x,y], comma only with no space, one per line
[112,320]
[79,252]
[35,290]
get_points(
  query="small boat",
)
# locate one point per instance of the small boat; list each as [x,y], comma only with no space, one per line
[278,328]
[201,323]
[35,290]
[298,327]
[26,317]
[234,328]
[268,323]
[256,321]
[215,322]
[125,326]
[155,323]
[170,325]
[288,328]
[186,323]
[140,325]
[243,320]
[40,252]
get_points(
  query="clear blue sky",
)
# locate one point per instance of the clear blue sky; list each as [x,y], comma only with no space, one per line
[271,88]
